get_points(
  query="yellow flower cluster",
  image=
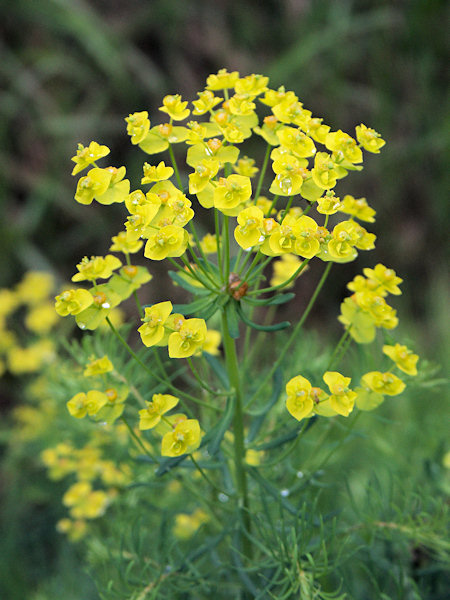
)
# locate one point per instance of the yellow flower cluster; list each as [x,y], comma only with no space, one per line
[33,293]
[184,337]
[89,468]
[366,310]
[180,434]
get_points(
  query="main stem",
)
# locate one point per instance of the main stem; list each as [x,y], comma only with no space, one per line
[238,426]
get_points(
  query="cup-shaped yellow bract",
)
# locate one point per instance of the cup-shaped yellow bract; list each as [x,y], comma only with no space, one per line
[90,403]
[344,146]
[190,338]
[98,366]
[118,187]
[386,279]
[156,173]
[232,191]
[160,404]
[342,399]
[222,80]
[175,107]
[94,184]
[96,267]
[138,125]
[306,244]
[152,331]
[369,139]
[383,383]
[170,241]
[358,208]
[122,243]
[249,230]
[341,246]
[296,141]
[205,170]
[404,358]
[299,400]
[324,173]
[184,439]
[72,302]
[85,156]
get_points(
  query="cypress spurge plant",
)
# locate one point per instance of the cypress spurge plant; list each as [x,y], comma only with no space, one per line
[232,418]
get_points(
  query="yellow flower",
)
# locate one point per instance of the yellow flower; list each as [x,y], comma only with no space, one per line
[190,338]
[358,208]
[404,358]
[284,268]
[186,525]
[246,167]
[160,404]
[175,107]
[34,287]
[232,191]
[121,243]
[98,366]
[41,318]
[344,145]
[170,240]
[222,81]
[344,238]
[306,243]
[72,302]
[205,170]
[86,156]
[183,439]
[205,103]
[97,267]
[75,530]
[212,342]
[152,331]
[252,85]
[250,223]
[90,403]
[94,184]
[299,400]
[296,141]
[329,204]
[209,243]
[324,173]
[138,125]
[159,173]
[369,139]
[84,502]
[317,130]
[342,398]
[383,383]
[386,279]
[118,187]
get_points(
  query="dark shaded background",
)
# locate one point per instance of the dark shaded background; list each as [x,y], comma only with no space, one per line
[71,70]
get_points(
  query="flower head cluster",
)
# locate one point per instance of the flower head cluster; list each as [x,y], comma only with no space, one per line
[366,310]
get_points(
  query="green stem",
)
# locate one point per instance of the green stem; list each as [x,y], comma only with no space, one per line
[338,346]
[285,283]
[218,239]
[292,337]
[175,167]
[136,438]
[263,172]
[151,372]
[204,385]
[226,250]
[238,427]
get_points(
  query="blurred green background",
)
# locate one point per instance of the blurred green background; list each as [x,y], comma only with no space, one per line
[72,70]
